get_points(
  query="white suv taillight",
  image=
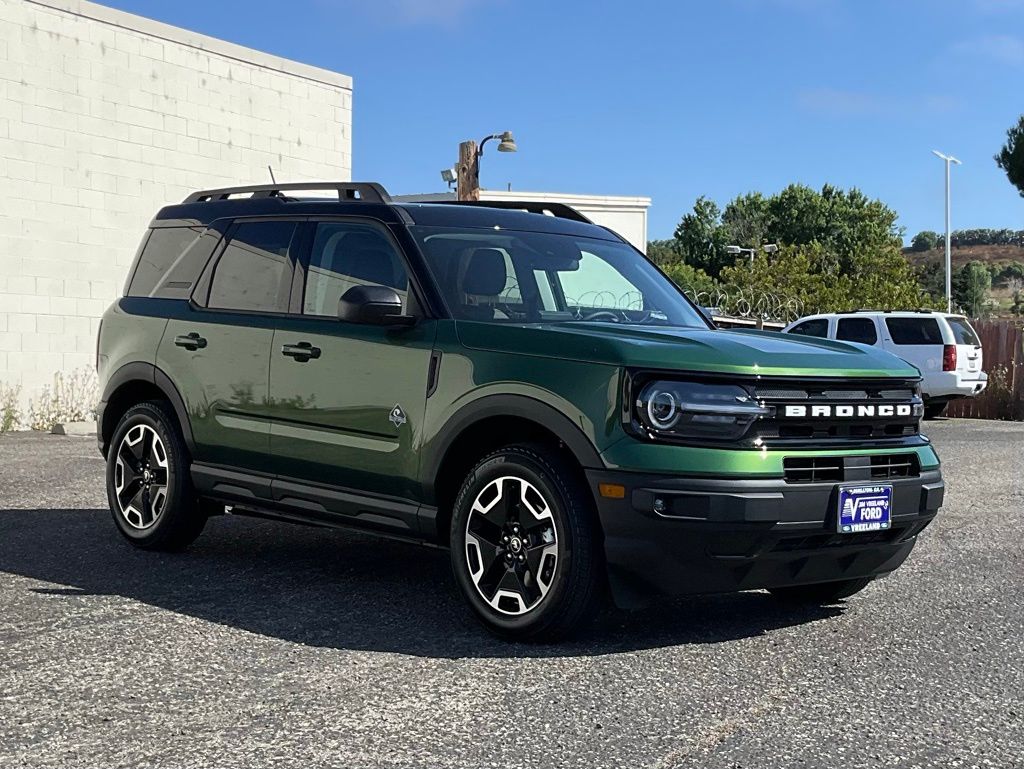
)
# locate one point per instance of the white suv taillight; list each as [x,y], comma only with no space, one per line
[949,357]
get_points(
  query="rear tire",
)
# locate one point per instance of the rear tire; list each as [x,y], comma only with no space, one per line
[525,547]
[935,409]
[821,593]
[148,484]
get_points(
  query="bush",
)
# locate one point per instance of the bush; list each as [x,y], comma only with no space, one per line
[71,399]
[925,241]
[10,414]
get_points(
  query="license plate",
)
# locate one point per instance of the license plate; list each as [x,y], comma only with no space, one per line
[864,508]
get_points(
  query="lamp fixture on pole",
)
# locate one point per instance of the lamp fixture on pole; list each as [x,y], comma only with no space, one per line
[468,168]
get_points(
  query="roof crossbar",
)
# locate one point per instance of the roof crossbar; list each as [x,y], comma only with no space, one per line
[366,192]
[560,210]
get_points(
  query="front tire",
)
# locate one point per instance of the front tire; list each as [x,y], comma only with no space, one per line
[822,593]
[148,485]
[525,548]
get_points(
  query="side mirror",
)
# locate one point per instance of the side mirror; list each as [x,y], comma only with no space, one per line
[373,305]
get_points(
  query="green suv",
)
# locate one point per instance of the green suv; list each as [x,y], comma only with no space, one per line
[506,380]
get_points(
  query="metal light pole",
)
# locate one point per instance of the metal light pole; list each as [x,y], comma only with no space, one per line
[948,159]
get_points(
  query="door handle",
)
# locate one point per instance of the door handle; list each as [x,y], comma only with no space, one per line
[190,341]
[301,351]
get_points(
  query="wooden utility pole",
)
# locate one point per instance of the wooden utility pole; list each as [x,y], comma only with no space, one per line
[468,172]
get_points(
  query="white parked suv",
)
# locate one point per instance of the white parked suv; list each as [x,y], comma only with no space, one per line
[944,347]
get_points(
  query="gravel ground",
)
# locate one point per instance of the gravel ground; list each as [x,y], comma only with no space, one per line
[275,645]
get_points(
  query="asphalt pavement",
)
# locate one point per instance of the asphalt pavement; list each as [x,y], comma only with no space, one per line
[285,646]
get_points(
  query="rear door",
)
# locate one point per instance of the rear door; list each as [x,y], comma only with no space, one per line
[216,348]
[349,414]
[917,339]
[968,347]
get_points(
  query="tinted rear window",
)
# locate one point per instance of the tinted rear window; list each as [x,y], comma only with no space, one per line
[962,332]
[818,328]
[860,330]
[914,331]
[171,255]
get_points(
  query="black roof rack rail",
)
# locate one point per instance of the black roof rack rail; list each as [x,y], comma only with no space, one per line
[366,192]
[560,210]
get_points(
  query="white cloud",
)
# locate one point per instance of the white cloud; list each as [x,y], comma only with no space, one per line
[1004,49]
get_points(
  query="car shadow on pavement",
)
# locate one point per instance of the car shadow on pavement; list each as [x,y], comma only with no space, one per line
[335,589]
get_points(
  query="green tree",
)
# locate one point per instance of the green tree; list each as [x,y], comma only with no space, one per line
[972,284]
[663,252]
[746,220]
[696,283]
[839,249]
[803,276]
[925,241]
[931,277]
[701,239]
[1011,156]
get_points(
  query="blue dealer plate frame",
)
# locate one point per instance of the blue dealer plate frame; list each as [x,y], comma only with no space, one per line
[864,508]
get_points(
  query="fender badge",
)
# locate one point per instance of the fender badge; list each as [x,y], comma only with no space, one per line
[397,416]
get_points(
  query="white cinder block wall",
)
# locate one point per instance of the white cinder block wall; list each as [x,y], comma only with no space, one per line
[105,117]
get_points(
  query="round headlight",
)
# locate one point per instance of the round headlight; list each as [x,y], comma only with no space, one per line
[662,409]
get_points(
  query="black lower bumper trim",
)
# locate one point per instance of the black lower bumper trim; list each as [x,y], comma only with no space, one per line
[680,536]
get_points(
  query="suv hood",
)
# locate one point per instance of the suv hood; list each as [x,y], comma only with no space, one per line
[686,349]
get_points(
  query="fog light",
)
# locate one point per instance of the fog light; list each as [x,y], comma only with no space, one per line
[659,505]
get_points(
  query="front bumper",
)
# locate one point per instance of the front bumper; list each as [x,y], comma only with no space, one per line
[726,535]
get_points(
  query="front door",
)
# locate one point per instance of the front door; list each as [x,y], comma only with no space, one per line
[348,399]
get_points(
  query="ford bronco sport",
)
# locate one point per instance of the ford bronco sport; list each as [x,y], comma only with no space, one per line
[507,380]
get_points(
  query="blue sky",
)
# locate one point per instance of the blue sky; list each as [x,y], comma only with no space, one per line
[667,99]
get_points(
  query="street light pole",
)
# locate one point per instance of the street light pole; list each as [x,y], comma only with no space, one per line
[468,169]
[948,160]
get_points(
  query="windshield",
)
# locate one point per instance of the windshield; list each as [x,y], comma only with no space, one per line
[505,276]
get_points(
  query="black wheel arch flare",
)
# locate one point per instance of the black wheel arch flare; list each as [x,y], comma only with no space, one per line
[520,406]
[132,374]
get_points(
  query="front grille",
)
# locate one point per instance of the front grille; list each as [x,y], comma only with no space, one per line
[813,469]
[782,430]
[882,467]
[888,466]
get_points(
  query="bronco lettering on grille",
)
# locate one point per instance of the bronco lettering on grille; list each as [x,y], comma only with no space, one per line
[848,411]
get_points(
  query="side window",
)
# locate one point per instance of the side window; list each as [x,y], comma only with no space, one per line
[344,255]
[914,331]
[169,250]
[857,330]
[817,327]
[249,273]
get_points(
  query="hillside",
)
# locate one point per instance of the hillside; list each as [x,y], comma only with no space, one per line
[997,255]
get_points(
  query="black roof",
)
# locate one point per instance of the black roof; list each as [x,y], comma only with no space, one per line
[204,207]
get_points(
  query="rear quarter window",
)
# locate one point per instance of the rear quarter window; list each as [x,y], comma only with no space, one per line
[914,331]
[171,262]
[962,332]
